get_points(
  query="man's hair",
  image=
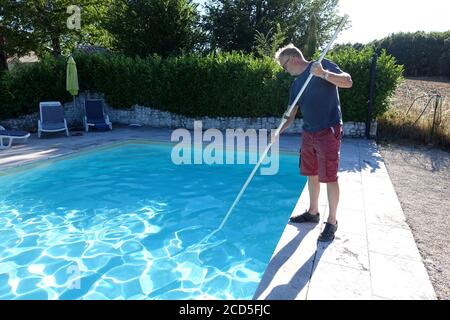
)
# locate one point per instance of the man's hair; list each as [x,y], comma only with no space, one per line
[289,50]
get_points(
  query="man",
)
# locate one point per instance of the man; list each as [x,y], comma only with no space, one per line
[322,129]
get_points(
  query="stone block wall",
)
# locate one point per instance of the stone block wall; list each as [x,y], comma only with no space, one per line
[146,116]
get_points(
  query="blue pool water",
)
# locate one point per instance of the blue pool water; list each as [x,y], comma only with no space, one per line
[109,224]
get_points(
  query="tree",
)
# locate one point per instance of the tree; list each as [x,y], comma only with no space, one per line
[267,45]
[145,27]
[233,24]
[357,46]
[3,62]
[41,25]
[311,37]
[422,54]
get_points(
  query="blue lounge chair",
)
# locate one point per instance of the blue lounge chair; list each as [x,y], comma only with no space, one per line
[52,118]
[10,135]
[95,115]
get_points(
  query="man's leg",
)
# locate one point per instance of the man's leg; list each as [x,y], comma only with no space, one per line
[328,147]
[309,168]
[333,200]
[314,191]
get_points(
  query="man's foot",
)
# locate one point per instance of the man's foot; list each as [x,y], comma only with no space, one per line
[306,217]
[328,232]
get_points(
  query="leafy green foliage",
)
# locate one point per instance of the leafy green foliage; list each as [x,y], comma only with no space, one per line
[224,85]
[357,64]
[41,26]
[267,44]
[233,25]
[164,27]
[422,54]
[23,87]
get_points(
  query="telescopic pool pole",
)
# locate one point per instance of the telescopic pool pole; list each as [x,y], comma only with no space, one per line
[277,132]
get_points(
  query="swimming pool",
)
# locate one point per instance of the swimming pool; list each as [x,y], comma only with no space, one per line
[108,224]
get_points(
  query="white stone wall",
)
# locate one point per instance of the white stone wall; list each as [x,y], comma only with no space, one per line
[358,129]
[162,119]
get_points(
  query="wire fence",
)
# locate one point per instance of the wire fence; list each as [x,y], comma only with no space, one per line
[419,111]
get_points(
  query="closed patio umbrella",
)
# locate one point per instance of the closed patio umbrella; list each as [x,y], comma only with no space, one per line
[72,78]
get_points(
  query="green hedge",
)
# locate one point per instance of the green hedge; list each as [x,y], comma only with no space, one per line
[223,85]
[357,64]
[226,85]
[22,88]
[422,53]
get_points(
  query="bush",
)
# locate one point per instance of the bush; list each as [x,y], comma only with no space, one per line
[422,54]
[226,85]
[357,64]
[23,87]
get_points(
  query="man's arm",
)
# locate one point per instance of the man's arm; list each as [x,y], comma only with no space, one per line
[341,80]
[289,120]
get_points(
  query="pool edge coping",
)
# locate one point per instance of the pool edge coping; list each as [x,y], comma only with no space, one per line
[29,164]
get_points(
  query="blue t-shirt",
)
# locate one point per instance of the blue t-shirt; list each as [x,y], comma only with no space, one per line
[319,103]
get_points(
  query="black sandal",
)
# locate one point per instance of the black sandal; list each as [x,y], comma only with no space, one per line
[305,217]
[328,232]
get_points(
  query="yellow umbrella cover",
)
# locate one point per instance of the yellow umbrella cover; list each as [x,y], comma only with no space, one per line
[72,77]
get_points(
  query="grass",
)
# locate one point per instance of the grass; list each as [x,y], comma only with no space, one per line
[412,110]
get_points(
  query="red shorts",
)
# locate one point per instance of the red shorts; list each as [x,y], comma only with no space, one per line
[320,153]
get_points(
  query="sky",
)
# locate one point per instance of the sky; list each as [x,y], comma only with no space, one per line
[376,19]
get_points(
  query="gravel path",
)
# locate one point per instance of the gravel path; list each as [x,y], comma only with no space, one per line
[421,177]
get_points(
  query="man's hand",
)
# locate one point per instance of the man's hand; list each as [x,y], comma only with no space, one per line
[275,137]
[317,69]
[289,118]
[341,80]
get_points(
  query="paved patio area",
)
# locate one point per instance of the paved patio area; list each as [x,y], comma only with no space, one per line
[374,255]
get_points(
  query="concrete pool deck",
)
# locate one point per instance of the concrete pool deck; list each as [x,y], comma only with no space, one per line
[374,255]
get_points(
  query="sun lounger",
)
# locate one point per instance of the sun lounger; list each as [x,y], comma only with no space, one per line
[95,116]
[9,136]
[52,118]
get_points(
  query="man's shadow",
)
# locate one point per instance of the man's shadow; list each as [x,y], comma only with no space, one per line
[299,280]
